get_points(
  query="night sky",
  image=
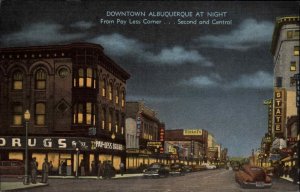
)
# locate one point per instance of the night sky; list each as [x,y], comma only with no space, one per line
[208,76]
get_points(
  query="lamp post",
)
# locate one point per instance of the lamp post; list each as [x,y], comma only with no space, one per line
[27,118]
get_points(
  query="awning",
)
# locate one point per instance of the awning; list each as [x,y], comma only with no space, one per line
[287,159]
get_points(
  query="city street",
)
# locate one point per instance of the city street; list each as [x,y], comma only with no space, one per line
[211,181]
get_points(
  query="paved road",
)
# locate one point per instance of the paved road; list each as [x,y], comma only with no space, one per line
[207,181]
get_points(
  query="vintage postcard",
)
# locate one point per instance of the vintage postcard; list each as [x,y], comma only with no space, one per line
[149,96]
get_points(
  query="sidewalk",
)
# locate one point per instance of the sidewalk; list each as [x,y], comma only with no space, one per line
[288,179]
[17,185]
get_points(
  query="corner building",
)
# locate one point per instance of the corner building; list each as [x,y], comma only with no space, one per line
[76,97]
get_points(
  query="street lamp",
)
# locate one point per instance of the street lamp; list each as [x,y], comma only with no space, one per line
[113,136]
[27,118]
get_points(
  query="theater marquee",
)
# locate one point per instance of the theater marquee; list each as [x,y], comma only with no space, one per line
[192,132]
[279,111]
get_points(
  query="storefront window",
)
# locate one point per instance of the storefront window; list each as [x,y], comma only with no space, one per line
[54,158]
[116,163]
[15,155]
[40,157]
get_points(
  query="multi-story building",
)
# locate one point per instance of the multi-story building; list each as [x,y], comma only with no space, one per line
[76,98]
[144,135]
[186,145]
[213,148]
[285,51]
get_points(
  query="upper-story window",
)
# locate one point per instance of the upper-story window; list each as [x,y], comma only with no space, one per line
[40,79]
[80,77]
[278,82]
[117,122]
[296,50]
[17,80]
[17,112]
[293,66]
[40,113]
[117,96]
[110,116]
[103,88]
[110,91]
[89,77]
[289,34]
[123,99]
[103,118]
[90,114]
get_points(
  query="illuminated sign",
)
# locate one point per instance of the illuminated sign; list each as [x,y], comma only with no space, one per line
[212,149]
[192,132]
[64,143]
[279,107]
[156,144]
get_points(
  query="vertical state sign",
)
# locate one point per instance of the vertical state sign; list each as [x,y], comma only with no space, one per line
[279,111]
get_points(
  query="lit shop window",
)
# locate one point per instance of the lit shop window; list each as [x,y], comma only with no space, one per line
[110,91]
[40,80]
[293,66]
[103,118]
[17,113]
[81,77]
[18,80]
[289,34]
[296,50]
[40,113]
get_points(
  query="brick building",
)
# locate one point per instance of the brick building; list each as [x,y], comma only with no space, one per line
[76,97]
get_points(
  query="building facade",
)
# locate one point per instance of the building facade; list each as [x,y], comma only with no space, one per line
[76,97]
[285,51]
[144,135]
[186,145]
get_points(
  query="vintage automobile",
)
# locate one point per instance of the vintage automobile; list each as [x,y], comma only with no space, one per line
[178,169]
[209,166]
[156,170]
[252,176]
[11,167]
[108,170]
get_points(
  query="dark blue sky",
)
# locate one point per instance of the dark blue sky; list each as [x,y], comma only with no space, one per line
[213,77]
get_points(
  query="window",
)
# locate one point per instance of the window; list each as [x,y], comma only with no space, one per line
[296,34]
[296,50]
[40,80]
[292,81]
[89,77]
[81,77]
[117,96]
[278,81]
[95,78]
[89,113]
[123,99]
[110,120]
[80,113]
[17,113]
[289,34]
[110,87]
[103,88]
[293,66]
[117,122]
[40,113]
[18,80]
[103,118]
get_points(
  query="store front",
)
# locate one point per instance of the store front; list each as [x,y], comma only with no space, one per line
[75,151]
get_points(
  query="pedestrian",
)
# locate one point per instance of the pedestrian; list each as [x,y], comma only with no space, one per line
[93,168]
[286,170]
[50,168]
[34,167]
[45,171]
[121,168]
[64,168]
[100,170]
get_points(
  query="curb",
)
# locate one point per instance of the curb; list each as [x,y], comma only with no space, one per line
[25,188]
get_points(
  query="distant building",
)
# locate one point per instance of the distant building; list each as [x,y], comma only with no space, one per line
[213,149]
[186,145]
[285,50]
[144,135]
[76,97]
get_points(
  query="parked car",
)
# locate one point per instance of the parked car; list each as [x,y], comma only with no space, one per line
[156,170]
[12,167]
[209,166]
[178,169]
[253,176]
[188,168]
